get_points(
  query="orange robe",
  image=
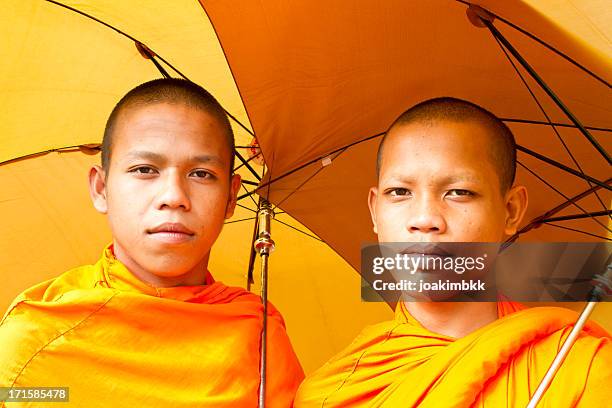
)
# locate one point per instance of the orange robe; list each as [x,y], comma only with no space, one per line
[118,342]
[402,364]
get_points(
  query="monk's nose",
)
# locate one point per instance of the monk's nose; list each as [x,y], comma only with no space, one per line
[174,194]
[426,217]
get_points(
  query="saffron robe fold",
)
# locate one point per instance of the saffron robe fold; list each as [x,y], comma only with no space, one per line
[118,342]
[402,364]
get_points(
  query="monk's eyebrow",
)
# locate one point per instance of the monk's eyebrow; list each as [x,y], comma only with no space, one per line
[146,155]
[160,158]
[398,178]
[207,158]
[451,179]
[458,178]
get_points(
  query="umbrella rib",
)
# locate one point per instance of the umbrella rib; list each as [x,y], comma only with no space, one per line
[151,56]
[159,67]
[574,198]
[562,166]
[297,188]
[319,158]
[248,160]
[245,207]
[290,172]
[563,195]
[577,216]
[78,147]
[545,44]
[535,99]
[538,122]
[57,3]
[536,221]
[299,230]
[579,231]
[251,197]
[305,181]
[247,165]
[240,220]
[43,152]
[123,33]
[546,89]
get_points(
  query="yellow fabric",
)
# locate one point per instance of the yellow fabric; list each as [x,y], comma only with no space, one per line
[117,342]
[402,364]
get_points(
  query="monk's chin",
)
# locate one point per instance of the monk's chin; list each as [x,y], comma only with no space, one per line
[169,266]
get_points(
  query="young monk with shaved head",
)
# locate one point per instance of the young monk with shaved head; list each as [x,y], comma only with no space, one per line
[147,325]
[446,174]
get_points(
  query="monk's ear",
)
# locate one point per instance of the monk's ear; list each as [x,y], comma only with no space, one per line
[372,196]
[97,188]
[516,206]
[235,181]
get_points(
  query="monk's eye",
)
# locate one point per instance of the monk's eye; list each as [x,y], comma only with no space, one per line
[143,170]
[398,192]
[457,192]
[201,174]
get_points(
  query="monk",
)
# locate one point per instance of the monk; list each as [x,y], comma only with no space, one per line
[147,325]
[446,174]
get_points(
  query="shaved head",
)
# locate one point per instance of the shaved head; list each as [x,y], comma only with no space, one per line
[170,91]
[502,147]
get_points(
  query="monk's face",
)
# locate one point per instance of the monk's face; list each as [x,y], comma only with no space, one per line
[438,183]
[168,190]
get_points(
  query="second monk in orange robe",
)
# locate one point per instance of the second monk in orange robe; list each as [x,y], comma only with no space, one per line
[446,174]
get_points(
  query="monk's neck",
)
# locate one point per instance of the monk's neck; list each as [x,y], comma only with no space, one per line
[454,319]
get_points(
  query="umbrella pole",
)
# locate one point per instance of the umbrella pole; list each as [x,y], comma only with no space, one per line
[264,245]
[602,287]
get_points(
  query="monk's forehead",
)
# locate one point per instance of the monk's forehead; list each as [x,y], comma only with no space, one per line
[146,115]
[465,136]
[138,111]
[467,142]
[457,131]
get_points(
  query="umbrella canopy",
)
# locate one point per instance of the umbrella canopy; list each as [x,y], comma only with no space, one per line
[348,70]
[331,79]
[311,80]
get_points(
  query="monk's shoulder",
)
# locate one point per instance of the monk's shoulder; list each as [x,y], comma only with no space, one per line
[82,277]
[41,314]
[560,322]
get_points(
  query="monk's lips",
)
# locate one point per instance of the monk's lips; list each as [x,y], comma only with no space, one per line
[171,237]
